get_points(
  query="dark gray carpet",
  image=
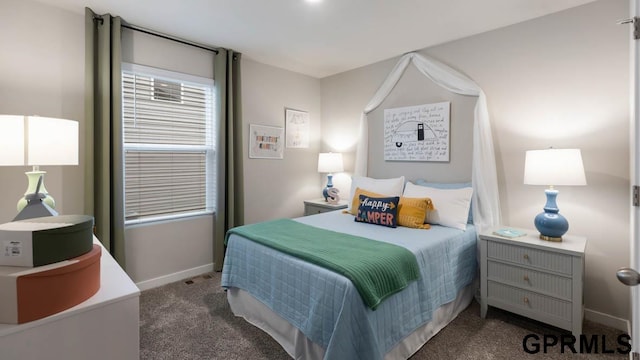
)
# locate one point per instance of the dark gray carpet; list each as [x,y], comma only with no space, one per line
[193,321]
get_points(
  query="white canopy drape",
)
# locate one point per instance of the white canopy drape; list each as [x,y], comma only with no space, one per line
[486,204]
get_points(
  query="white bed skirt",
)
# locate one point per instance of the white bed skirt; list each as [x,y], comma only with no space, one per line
[296,344]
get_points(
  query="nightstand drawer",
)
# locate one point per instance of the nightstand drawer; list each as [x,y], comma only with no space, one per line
[312,207]
[529,300]
[527,256]
[554,285]
[312,210]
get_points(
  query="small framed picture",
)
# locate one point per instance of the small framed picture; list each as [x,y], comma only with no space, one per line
[297,128]
[266,142]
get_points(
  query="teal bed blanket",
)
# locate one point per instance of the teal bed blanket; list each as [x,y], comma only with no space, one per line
[377,269]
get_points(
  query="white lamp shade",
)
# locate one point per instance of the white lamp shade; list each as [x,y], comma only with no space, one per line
[52,141]
[11,140]
[34,140]
[330,162]
[554,167]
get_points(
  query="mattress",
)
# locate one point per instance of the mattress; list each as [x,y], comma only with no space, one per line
[325,307]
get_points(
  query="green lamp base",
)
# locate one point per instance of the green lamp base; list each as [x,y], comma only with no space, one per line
[33,177]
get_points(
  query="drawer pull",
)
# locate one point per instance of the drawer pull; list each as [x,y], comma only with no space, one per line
[526,278]
[526,257]
[525,300]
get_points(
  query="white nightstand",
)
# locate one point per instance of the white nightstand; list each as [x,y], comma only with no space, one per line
[318,206]
[538,279]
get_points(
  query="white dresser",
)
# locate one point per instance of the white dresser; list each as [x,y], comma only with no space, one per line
[104,327]
[538,279]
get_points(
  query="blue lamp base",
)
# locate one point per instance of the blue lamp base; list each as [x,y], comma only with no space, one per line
[325,191]
[550,223]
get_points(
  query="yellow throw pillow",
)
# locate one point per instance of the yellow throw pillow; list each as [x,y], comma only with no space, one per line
[412,212]
[355,202]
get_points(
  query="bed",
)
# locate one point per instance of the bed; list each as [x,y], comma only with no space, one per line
[315,313]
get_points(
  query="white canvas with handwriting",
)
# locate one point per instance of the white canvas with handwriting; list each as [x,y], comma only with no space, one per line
[417,133]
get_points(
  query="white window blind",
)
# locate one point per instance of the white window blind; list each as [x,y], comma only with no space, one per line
[168,144]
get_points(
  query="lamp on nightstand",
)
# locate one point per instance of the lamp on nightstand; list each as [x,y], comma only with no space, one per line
[35,141]
[329,163]
[553,167]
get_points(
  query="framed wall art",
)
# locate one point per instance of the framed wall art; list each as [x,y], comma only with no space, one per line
[297,128]
[266,142]
[417,133]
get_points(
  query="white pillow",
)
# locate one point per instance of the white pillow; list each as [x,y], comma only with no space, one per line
[452,205]
[388,187]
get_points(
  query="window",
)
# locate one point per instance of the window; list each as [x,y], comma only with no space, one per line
[169,161]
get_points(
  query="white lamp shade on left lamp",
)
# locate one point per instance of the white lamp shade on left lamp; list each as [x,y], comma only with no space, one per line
[330,162]
[35,141]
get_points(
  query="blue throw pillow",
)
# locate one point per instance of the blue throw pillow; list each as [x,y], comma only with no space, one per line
[378,210]
[449,186]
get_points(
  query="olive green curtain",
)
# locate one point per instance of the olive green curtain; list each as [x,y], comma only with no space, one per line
[230,193]
[103,117]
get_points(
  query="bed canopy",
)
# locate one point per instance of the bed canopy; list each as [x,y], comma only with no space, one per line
[485,204]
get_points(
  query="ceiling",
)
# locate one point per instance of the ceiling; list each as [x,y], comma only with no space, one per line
[323,38]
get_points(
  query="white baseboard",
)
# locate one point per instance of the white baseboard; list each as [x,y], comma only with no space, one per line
[177,276]
[608,320]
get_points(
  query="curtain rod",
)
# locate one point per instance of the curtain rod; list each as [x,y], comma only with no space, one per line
[168,37]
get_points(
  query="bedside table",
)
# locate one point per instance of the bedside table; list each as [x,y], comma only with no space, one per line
[318,206]
[538,279]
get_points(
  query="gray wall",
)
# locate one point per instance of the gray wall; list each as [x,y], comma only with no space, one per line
[562,81]
[277,188]
[42,73]
[342,117]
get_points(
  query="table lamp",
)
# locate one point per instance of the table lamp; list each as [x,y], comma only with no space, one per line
[553,167]
[36,141]
[329,163]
